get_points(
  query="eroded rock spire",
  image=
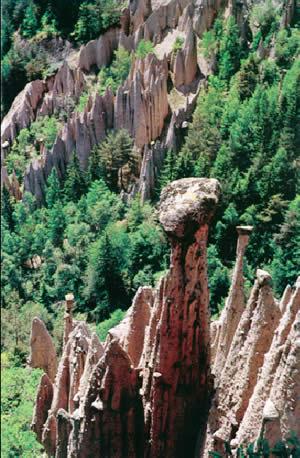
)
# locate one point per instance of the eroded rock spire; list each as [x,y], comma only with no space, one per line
[234,306]
[145,393]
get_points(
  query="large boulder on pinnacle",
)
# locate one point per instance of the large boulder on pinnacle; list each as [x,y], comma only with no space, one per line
[187,204]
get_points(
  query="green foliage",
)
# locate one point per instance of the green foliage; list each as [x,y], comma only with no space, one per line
[48,25]
[53,189]
[287,46]
[27,144]
[92,245]
[263,15]
[75,180]
[117,160]
[177,45]
[30,22]
[285,265]
[35,21]
[168,172]
[96,17]
[114,75]
[262,449]
[144,48]
[114,319]
[243,133]
[218,279]
[230,50]
[18,392]
[83,100]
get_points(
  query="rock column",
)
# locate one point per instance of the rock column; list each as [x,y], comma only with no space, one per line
[177,368]
[235,304]
[68,320]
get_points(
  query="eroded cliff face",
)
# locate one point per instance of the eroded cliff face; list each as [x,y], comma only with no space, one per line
[141,105]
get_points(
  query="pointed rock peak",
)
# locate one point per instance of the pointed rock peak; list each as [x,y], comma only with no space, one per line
[114,353]
[190,36]
[42,350]
[270,412]
[187,203]
[80,330]
[96,345]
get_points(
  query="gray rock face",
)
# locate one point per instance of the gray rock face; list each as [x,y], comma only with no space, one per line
[187,203]
[23,110]
[140,106]
[234,306]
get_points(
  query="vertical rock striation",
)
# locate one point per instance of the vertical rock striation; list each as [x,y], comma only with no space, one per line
[257,390]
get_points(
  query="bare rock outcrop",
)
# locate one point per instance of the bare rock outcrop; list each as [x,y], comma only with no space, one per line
[184,63]
[234,306]
[258,404]
[41,97]
[176,374]
[42,405]
[67,83]
[257,390]
[140,106]
[285,391]
[43,353]
[22,111]
[99,52]
[131,331]
[236,383]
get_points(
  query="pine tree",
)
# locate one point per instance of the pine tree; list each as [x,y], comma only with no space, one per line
[168,172]
[286,265]
[247,78]
[95,169]
[30,23]
[115,152]
[7,208]
[230,50]
[56,224]
[53,190]
[75,184]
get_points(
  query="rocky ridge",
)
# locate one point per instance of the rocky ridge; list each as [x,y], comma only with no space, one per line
[140,105]
[145,391]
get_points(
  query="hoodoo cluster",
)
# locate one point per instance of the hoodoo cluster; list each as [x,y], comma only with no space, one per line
[167,382]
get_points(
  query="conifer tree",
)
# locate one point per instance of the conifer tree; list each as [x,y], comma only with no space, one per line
[168,172]
[56,224]
[30,21]
[7,208]
[230,50]
[53,189]
[75,183]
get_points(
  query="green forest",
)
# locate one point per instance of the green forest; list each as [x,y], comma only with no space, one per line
[86,240]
